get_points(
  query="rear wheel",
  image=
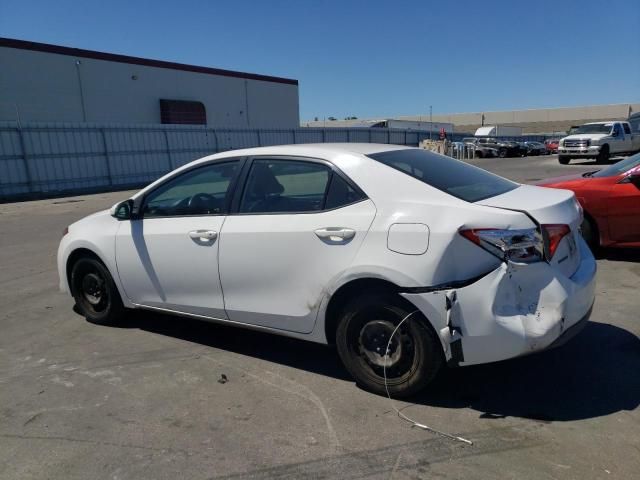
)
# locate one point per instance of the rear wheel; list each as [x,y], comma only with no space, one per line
[589,231]
[95,293]
[502,153]
[365,327]
[603,156]
[479,154]
[563,159]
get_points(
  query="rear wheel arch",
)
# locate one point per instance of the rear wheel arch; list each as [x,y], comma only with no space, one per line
[346,293]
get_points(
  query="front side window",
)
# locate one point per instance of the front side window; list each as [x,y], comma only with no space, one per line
[451,176]
[277,186]
[618,130]
[201,191]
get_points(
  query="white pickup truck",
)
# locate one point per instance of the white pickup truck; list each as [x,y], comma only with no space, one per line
[598,140]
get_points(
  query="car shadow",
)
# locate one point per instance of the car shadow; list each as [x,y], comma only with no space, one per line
[593,375]
[619,254]
[295,353]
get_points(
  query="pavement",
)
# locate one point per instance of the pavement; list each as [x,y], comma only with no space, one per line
[148,400]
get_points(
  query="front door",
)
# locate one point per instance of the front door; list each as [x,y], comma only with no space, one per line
[299,225]
[169,257]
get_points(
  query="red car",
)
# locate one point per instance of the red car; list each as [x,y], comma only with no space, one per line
[611,201]
[552,145]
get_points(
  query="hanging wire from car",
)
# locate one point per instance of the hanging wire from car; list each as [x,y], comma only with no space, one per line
[393,406]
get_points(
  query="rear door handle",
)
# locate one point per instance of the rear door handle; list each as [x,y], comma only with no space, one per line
[203,235]
[335,234]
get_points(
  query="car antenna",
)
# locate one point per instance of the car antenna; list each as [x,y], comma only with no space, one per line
[402,415]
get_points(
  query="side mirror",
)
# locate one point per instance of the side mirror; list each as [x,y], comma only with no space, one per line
[122,210]
[614,133]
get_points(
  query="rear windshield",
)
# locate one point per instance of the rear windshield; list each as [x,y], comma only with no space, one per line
[454,177]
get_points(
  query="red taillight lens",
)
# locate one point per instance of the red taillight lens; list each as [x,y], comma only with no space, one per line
[473,234]
[65,231]
[554,233]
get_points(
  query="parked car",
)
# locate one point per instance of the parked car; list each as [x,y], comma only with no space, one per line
[535,148]
[552,145]
[505,148]
[338,244]
[611,201]
[599,140]
[481,150]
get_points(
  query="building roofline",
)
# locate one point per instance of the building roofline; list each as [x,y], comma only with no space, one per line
[112,57]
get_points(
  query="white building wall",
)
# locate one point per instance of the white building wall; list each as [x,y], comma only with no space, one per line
[43,86]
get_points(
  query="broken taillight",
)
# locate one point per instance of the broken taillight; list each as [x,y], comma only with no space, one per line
[553,234]
[525,245]
[518,246]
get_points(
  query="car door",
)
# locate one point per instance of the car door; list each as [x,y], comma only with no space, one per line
[618,141]
[624,209]
[628,137]
[298,224]
[168,258]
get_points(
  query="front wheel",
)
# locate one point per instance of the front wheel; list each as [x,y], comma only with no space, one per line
[414,356]
[564,160]
[95,293]
[603,155]
[502,153]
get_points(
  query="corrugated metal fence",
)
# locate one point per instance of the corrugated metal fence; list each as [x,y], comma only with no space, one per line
[49,159]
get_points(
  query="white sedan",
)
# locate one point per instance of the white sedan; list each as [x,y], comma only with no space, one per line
[337,244]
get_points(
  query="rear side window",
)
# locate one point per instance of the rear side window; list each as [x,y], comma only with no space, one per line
[341,193]
[451,176]
[294,186]
[277,186]
[626,128]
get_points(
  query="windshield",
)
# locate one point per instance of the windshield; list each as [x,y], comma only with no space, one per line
[620,167]
[451,176]
[593,128]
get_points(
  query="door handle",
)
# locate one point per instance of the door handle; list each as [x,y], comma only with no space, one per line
[335,234]
[203,235]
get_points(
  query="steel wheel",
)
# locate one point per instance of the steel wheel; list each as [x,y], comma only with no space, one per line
[94,291]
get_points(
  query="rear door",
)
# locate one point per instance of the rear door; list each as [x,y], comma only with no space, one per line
[295,226]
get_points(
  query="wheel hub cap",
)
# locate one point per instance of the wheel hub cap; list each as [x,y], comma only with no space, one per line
[93,288]
[374,338]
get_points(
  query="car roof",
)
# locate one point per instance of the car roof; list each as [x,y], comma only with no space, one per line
[315,148]
[328,151]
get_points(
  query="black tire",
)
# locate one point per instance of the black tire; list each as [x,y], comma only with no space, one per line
[590,233]
[502,153]
[479,154]
[564,160]
[95,293]
[366,324]
[603,156]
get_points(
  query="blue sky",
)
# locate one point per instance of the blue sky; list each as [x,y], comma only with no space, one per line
[372,58]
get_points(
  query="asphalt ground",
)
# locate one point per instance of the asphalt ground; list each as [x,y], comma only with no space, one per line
[144,400]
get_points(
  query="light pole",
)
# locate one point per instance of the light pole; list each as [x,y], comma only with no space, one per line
[430,120]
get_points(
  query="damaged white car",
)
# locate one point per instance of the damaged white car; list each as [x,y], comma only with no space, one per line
[337,244]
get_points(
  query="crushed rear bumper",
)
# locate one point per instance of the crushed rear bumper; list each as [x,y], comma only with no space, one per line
[512,311]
